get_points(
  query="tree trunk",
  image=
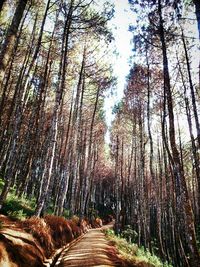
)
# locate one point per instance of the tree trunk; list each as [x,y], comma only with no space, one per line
[194,148]
[117,188]
[57,108]
[197,11]
[177,167]
[1,5]
[4,88]
[192,91]
[9,42]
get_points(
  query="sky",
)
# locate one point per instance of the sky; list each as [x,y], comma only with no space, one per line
[123,17]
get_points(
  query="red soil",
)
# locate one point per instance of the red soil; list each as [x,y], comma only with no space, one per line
[31,242]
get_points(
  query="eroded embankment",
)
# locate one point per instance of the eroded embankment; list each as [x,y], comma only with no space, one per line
[34,241]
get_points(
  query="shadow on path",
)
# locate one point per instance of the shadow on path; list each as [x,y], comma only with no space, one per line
[92,250]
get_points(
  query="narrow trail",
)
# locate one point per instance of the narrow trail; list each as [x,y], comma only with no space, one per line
[92,250]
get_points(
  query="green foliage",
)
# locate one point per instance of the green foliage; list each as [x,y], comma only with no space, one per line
[18,214]
[145,255]
[66,213]
[92,213]
[101,114]
[49,209]
[117,107]
[18,208]
[109,233]
[131,251]
[129,234]
[188,2]
[154,245]
[1,184]
[1,225]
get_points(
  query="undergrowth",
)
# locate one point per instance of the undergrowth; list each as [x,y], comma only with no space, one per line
[15,207]
[132,253]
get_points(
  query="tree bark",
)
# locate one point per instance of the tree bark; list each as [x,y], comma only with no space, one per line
[192,91]
[9,42]
[57,108]
[194,148]
[1,5]
[177,166]
[197,11]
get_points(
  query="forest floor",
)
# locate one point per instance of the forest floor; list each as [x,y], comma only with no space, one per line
[92,250]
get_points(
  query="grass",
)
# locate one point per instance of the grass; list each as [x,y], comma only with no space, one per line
[1,183]
[15,207]
[134,254]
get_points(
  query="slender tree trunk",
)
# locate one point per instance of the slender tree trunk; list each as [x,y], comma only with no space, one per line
[1,5]
[194,148]
[117,188]
[89,159]
[9,42]
[57,108]
[197,11]
[194,105]
[177,167]
[5,87]
[64,157]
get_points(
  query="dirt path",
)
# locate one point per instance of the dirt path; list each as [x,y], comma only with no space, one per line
[92,250]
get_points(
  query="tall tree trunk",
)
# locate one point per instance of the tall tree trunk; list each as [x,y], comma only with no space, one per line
[117,188]
[1,5]
[9,42]
[57,108]
[192,90]
[197,11]
[39,41]
[64,158]
[194,148]
[5,87]
[89,159]
[177,166]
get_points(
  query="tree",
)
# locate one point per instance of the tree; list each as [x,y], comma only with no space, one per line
[10,38]
[44,151]
[1,5]
[197,11]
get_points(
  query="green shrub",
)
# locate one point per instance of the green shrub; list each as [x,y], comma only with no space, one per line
[17,207]
[145,255]
[66,213]
[129,234]
[110,232]
[17,214]
[1,225]
[131,251]
[1,183]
